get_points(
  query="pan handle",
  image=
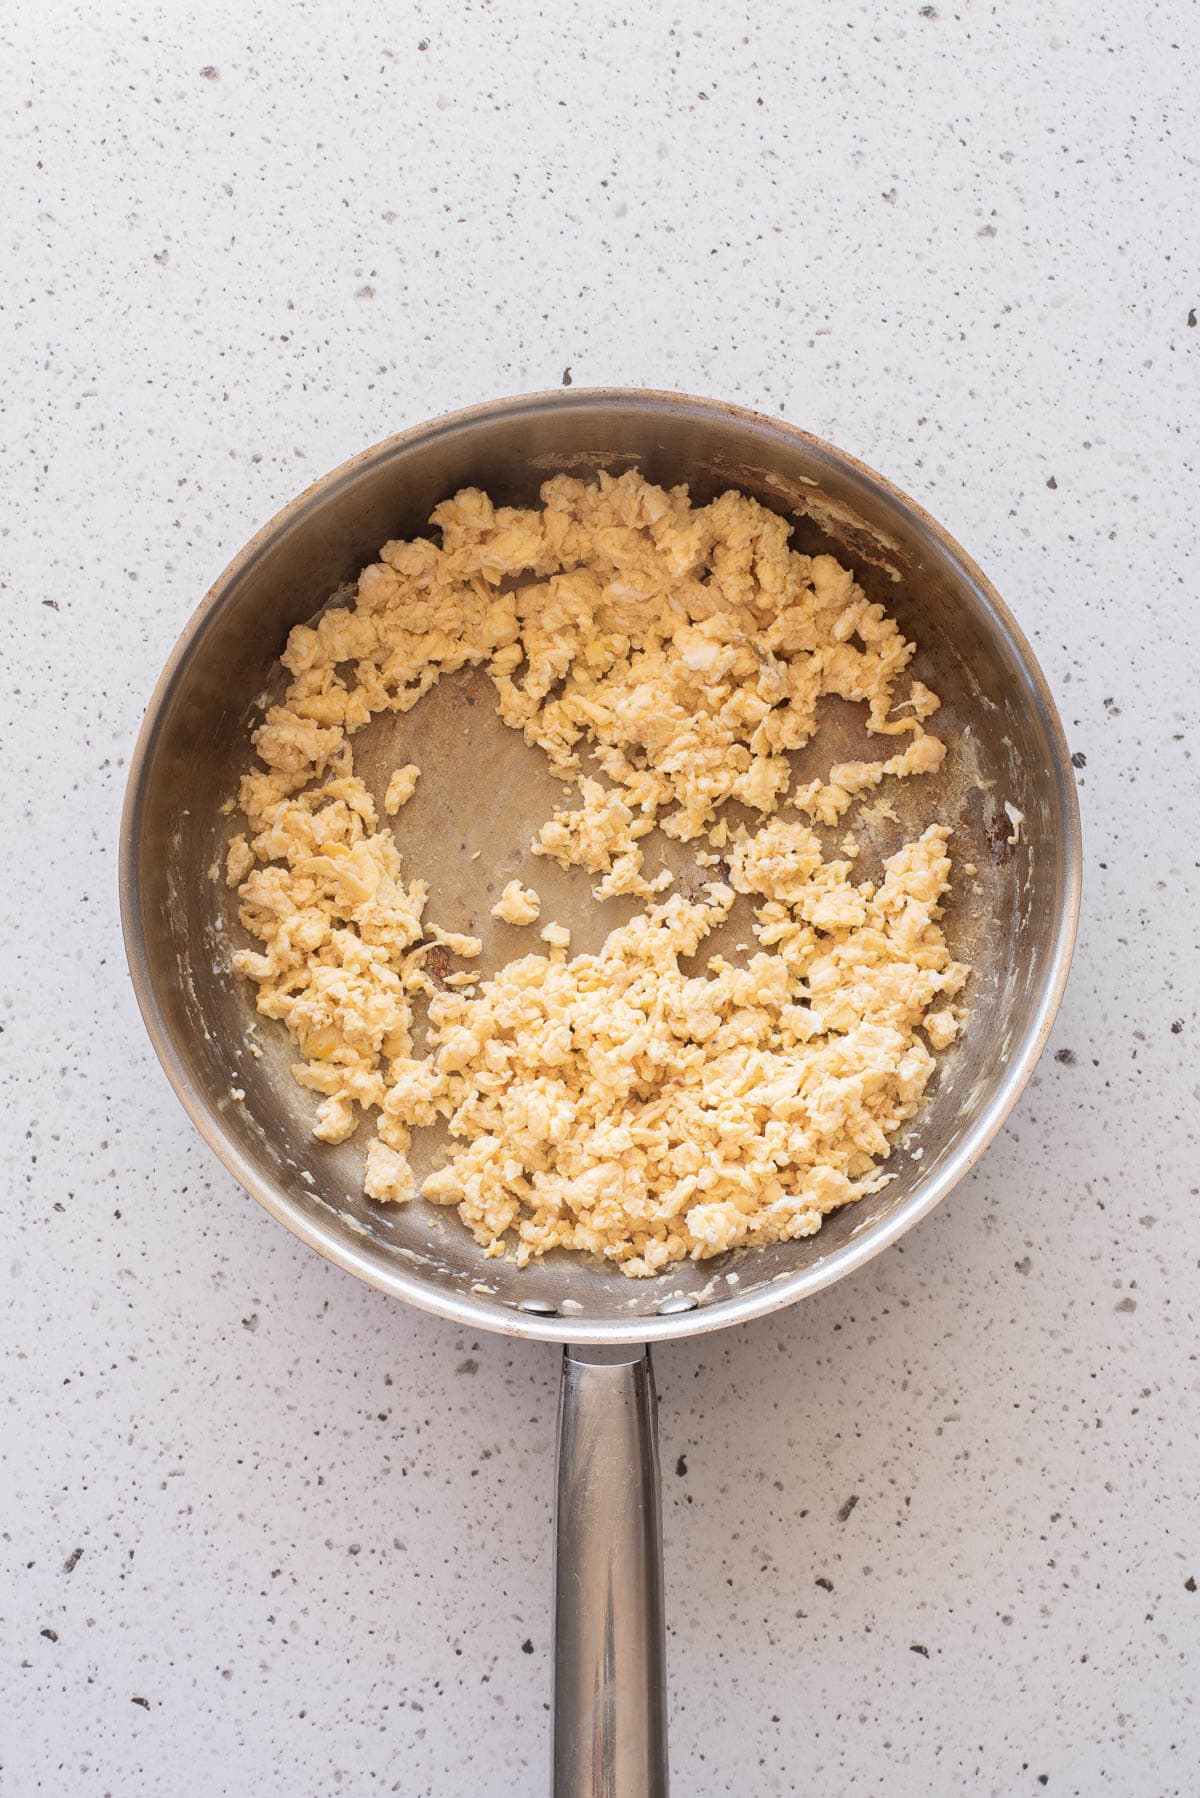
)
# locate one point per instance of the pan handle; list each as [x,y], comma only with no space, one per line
[610,1709]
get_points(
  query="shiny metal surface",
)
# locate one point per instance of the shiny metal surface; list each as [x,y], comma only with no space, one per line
[610,1701]
[482,793]
[1014,920]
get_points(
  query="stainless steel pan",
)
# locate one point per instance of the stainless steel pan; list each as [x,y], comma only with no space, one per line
[1007,788]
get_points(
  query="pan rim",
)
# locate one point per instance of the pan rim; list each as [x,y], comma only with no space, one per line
[476,1310]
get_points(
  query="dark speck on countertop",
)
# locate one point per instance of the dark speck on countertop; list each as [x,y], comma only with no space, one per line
[681,1466]
[846,1509]
[1068,1057]
[919,1648]
[826,1585]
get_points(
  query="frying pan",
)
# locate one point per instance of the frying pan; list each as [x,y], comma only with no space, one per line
[1006,788]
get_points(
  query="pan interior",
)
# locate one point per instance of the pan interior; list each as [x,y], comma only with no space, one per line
[483,793]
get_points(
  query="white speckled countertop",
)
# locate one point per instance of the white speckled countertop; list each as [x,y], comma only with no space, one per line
[265,1531]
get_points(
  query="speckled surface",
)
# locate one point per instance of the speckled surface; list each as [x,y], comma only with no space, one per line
[936,1531]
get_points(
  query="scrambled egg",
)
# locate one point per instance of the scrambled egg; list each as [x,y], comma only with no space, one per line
[517,905]
[400,788]
[611,1103]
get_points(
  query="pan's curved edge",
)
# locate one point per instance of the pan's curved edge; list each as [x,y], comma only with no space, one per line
[478,1311]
